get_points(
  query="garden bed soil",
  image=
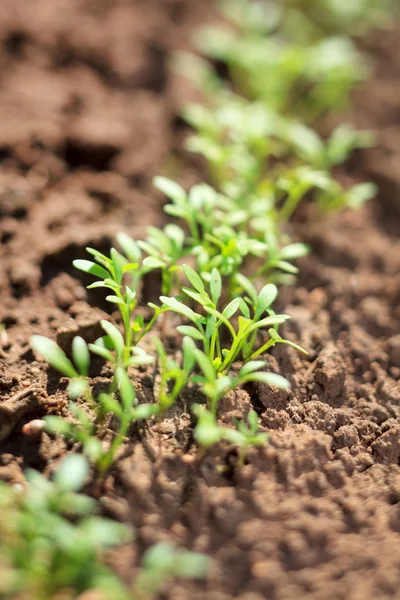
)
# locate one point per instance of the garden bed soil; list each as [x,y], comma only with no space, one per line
[88,113]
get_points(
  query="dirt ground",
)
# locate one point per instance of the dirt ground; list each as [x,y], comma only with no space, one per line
[88,115]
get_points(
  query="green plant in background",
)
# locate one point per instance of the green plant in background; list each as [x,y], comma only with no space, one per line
[164,249]
[297,55]
[243,140]
[229,233]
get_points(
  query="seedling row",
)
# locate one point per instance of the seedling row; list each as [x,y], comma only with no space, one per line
[221,258]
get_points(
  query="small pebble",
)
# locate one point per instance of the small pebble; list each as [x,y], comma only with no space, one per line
[34,428]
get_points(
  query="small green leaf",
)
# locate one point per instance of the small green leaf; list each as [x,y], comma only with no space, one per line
[152,262]
[93,449]
[119,262]
[270,379]
[231,308]
[71,473]
[58,426]
[145,411]
[252,419]
[273,320]
[205,365]
[202,299]
[286,266]
[115,300]
[54,355]
[115,337]
[130,247]
[189,358]
[101,257]
[80,354]
[294,251]
[194,279]
[190,331]
[251,366]
[104,533]
[171,189]
[125,387]
[101,351]
[180,308]
[110,404]
[207,434]
[265,298]
[215,286]
[87,266]
[77,388]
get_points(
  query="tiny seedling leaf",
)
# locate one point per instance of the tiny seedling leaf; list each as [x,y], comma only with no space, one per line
[215,286]
[126,389]
[87,266]
[270,379]
[194,279]
[72,473]
[180,308]
[115,336]
[265,298]
[190,331]
[54,355]
[80,354]
[171,189]
[130,247]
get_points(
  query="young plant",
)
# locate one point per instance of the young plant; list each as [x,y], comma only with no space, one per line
[173,377]
[120,402]
[266,66]
[208,432]
[163,562]
[50,528]
[111,273]
[209,324]
[164,249]
[215,385]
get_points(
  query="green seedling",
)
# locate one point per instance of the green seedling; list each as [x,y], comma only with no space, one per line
[208,432]
[164,249]
[269,70]
[77,370]
[250,436]
[120,402]
[207,325]
[284,55]
[122,405]
[215,385]
[173,377]
[194,208]
[52,528]
[163,562]
[315,19]
[111,273]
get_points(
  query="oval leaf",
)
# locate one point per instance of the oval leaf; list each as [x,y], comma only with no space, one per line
[115,336]
[87,266]
[54,355]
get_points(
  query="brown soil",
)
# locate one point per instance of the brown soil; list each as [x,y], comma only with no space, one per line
[88,117]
